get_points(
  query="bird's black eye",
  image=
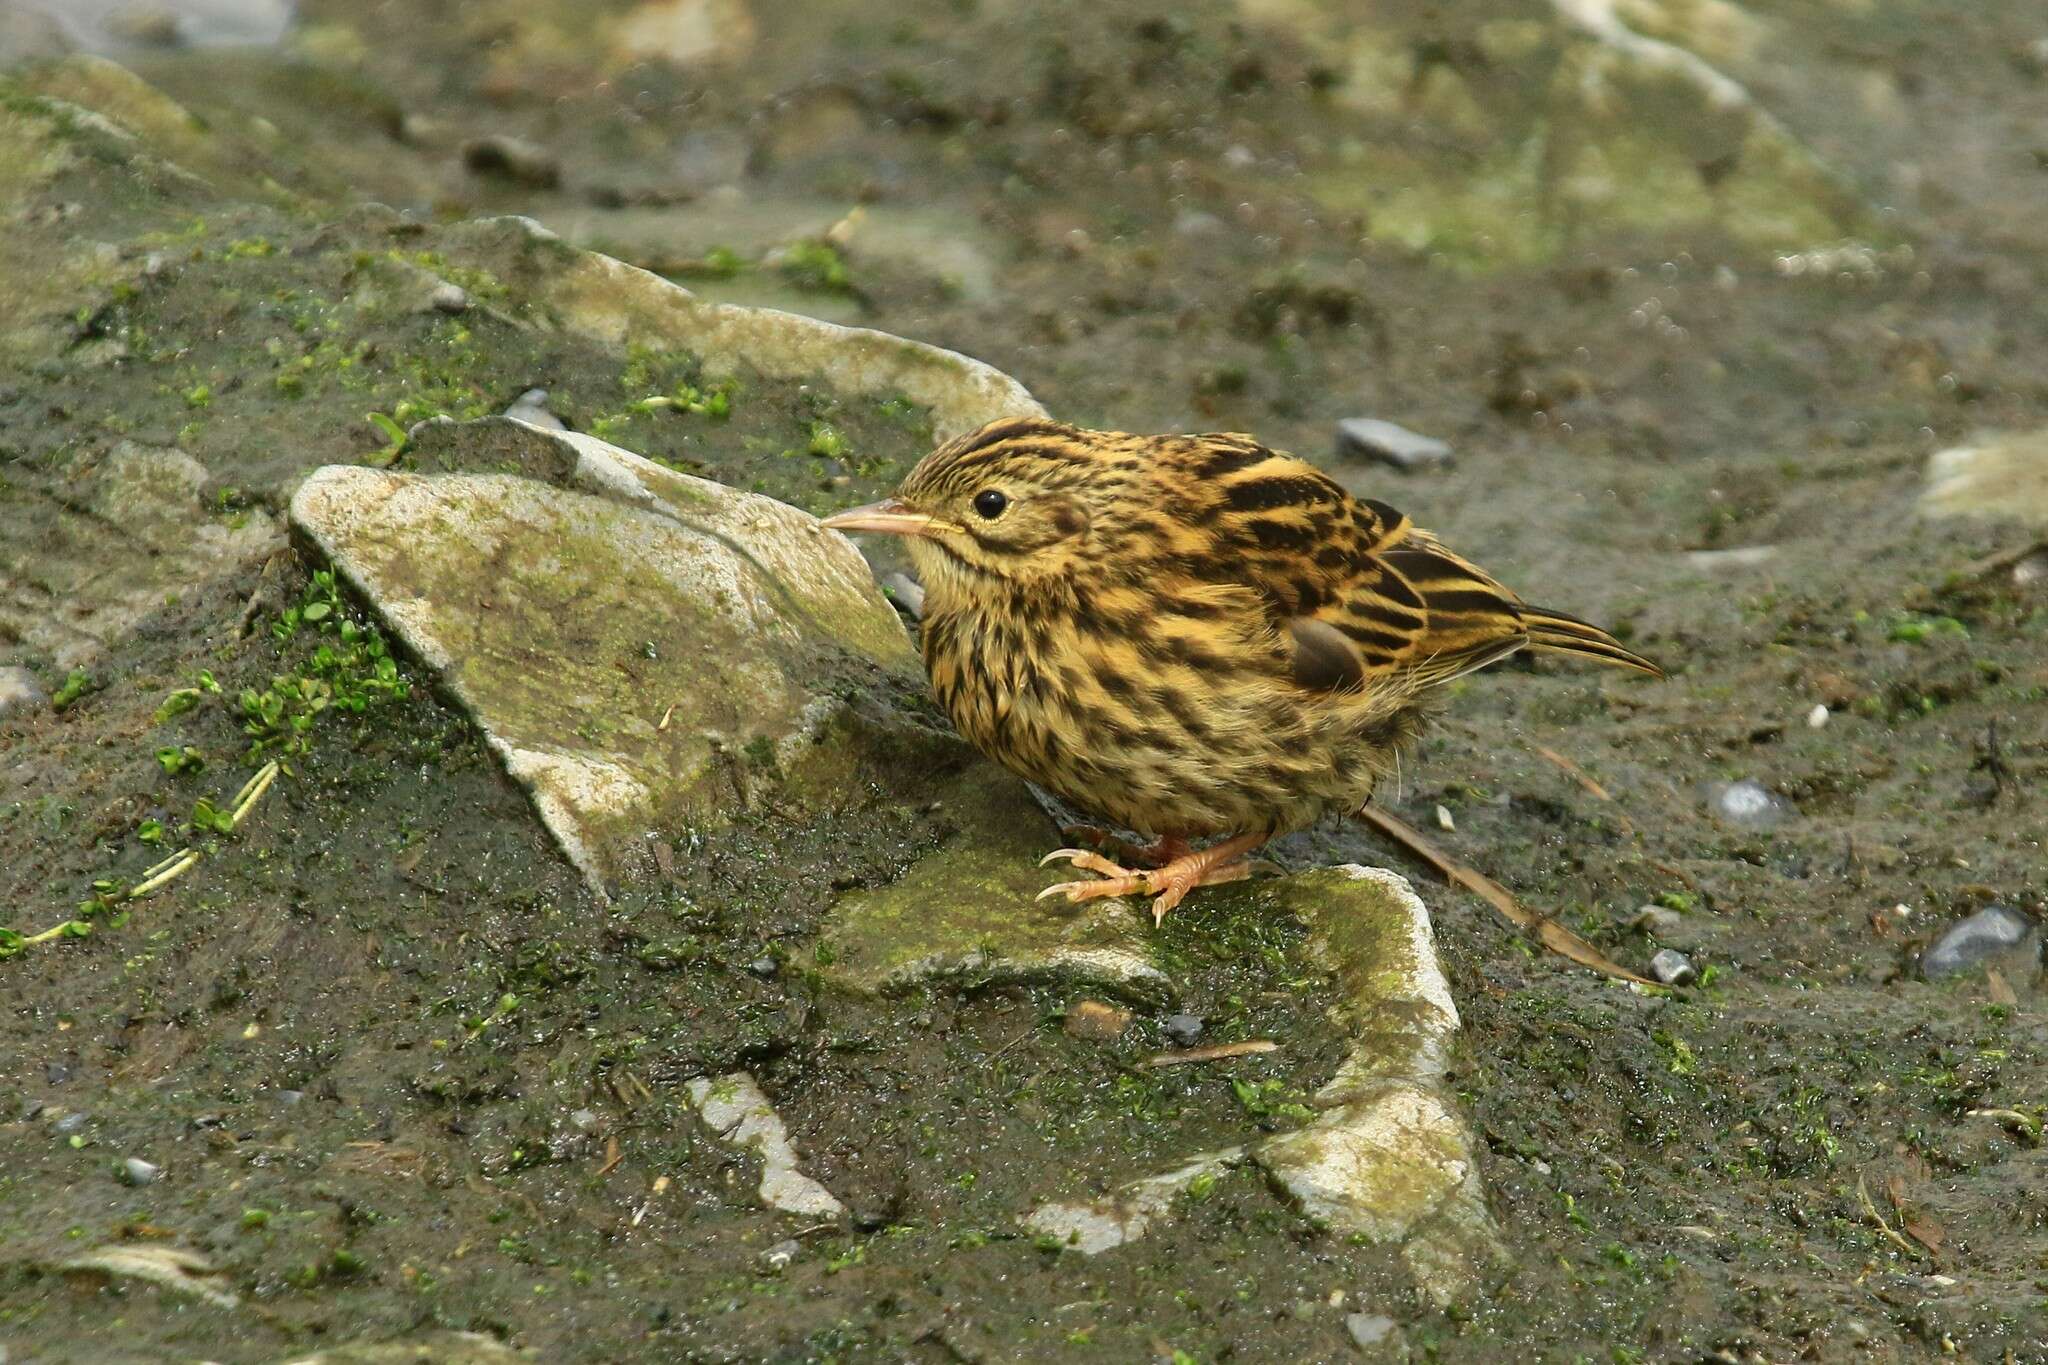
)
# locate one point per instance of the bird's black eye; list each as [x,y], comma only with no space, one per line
[989,503]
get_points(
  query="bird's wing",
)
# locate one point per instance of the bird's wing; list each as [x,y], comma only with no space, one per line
[1362,594]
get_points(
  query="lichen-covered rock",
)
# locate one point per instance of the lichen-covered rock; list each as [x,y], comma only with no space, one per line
[1998,477]
[734,1108]
[98,545]
[618,303]
[1387,1158]
[970,908]
[1568,112]
[1093,1226]
[427,1348]
[643,649]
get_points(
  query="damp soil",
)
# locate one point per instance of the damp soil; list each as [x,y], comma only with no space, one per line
[1798,1157]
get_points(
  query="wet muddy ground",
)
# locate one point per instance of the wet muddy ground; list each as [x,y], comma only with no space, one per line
[1812,1153]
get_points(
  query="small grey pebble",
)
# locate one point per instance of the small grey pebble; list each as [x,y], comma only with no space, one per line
[514,159]
[1673,968]
[1368,438]
[1968,942]
[203,1122]
[56,1073]
[764,966]
[781,1254]
[1183,1029]
[586,1119]
[1374,1331]
[70,1123]
[1748,802]
[20,693]
[531,408]
[136,1171]
[290,1096]
[31,1109]
[450,298]
[146,25]
[1657,921]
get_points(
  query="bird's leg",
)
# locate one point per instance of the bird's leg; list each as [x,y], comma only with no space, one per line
[1224,862]
[1158,853]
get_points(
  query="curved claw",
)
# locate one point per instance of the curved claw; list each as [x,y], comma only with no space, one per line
[1084,891]
[1087,861]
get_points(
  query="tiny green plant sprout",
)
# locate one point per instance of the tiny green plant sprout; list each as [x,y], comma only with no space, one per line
[77,685]
[343,667]
[109,894]
[395,442]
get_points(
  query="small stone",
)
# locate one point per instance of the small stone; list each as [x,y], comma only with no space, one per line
[1741,557]
[514,159]
[1240,157]
[30,35]
[290,1097]
[2031,571]
[56,1073]
[1748,802]
[586,1119]
[1368,438]
[147,25]
[1444,820]
[1196,223]
[450,298]
[2001,475]
[1673,968]
[764,967]
[1376,1333]
[531,408]
[1657,921]
[1183,1029]
[779,1256]
[1970,942]
[1817,717]
[70,1123]
[135,1171]
[20,693]
[30,1110]
[1097,1021]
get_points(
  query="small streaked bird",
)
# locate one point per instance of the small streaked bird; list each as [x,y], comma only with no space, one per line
[1194,637]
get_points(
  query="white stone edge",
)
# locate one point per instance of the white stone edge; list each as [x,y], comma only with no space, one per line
[735,1108]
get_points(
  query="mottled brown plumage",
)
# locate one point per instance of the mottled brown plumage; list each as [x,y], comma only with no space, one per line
[1191,636]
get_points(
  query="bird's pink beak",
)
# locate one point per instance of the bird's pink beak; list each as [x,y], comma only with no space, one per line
[889,517]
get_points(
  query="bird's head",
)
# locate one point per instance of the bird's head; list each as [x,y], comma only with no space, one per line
[1013,501]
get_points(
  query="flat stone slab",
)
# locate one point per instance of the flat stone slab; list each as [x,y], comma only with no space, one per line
[643,649]
[2002,477]
[971,908]
[616,303]
[98,547]
[1388,1158]
[428,1348]
[734,1108]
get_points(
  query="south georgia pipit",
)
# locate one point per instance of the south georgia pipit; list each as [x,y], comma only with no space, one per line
[1194,637]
